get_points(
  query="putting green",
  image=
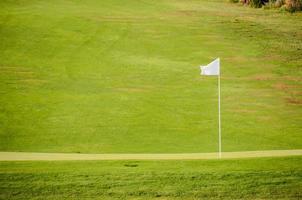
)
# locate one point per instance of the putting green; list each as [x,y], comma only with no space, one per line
[117,76]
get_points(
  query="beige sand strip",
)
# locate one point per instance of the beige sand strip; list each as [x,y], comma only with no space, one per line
[23,156]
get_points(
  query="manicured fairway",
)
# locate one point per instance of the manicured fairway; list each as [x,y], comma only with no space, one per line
[116,76]
[267,178]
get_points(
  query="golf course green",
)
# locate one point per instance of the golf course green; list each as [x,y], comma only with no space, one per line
[123,76]
[112,77]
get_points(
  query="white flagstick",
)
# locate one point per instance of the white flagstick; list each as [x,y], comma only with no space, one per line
[219,117]
[214,69]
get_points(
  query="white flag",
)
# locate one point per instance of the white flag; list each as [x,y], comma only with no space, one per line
[211,69]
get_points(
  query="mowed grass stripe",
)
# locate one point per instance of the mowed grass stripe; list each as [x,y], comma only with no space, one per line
[251,178]
[29,156]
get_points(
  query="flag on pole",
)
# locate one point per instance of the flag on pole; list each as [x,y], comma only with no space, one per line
[211,69]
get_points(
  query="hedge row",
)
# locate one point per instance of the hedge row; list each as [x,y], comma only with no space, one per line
[289,5]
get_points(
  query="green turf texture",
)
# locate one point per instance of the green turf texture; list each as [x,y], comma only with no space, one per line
[262,178]
[115,76]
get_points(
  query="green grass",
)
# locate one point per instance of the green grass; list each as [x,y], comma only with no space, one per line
[265,178]
[116,76]
[113,76]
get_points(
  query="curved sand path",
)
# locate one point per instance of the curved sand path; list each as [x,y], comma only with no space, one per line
[30,156]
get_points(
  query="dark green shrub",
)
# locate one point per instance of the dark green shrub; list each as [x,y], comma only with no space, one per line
[245,1]
[288,5]
[257,3]
[293,5]
[270,4]
[274,4]
[279,3]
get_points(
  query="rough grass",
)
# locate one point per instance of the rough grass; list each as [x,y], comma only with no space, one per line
[266,178]
[112,76]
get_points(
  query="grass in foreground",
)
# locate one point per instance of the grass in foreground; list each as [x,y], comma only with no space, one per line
[265,178]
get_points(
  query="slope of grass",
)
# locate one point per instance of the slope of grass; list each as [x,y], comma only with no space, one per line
[266,178]
[122,76]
